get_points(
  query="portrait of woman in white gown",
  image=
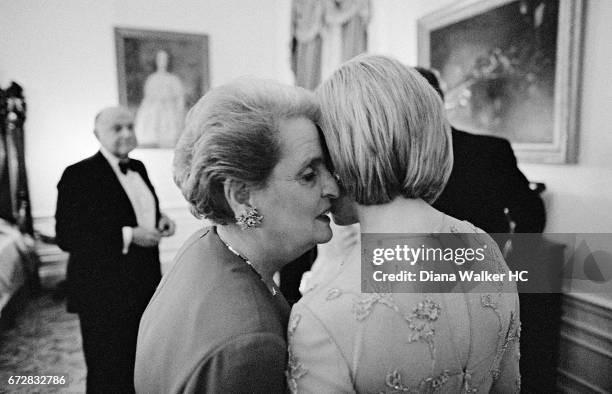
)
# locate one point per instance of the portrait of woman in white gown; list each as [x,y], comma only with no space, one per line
[159,119]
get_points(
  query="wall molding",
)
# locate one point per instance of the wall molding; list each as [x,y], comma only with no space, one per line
[570,383]
[598,304]
[586,345]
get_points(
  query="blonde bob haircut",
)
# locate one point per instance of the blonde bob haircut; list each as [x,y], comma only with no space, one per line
[232,133]
[386,131]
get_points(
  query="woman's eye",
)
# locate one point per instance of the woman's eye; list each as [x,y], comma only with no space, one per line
[309,176]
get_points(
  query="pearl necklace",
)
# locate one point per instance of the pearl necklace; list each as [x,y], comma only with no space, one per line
[234,251]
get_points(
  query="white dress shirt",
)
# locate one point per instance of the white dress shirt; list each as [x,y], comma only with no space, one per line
[139,194]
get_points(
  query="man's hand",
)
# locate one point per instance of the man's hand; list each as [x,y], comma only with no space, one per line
[166,226]
[145,238]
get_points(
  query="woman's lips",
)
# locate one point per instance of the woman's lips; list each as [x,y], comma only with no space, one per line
[324,216]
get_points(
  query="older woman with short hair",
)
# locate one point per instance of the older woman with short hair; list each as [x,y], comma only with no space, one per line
[250,160]
[390,145]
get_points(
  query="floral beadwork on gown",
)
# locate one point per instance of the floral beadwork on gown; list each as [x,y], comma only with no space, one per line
[345,339]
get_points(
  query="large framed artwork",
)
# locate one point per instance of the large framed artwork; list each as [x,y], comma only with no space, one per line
[511,69]
[161,75]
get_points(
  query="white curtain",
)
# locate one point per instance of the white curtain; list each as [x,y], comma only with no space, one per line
[325,34]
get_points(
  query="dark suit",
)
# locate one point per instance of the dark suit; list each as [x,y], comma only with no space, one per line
[485,179]
[108,289]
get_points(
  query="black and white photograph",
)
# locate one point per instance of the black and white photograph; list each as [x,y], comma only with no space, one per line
[305,196]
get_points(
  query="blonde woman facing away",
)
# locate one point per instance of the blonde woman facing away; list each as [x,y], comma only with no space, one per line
[390,145]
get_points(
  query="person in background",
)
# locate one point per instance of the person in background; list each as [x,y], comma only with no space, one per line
[486,186]
[251,161]
[108,219]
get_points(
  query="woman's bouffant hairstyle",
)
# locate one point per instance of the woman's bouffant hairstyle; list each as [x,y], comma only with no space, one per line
[386,131]
[232,133]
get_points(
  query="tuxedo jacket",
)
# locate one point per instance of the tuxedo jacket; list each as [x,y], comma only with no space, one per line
[484,180]
[92,209]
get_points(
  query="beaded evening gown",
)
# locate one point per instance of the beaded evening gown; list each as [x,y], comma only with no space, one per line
[342,340]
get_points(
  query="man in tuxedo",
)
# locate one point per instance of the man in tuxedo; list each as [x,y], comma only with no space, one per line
[108,219]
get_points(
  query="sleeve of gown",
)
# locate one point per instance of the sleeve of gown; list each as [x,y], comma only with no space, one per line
[253,363]
[316,364]
[509,380]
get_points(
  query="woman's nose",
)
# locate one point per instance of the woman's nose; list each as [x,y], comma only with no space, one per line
[330,186]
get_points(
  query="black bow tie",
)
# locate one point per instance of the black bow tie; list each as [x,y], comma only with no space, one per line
[126,165]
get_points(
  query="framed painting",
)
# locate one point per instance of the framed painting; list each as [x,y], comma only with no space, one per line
[511,68]
[161,75]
